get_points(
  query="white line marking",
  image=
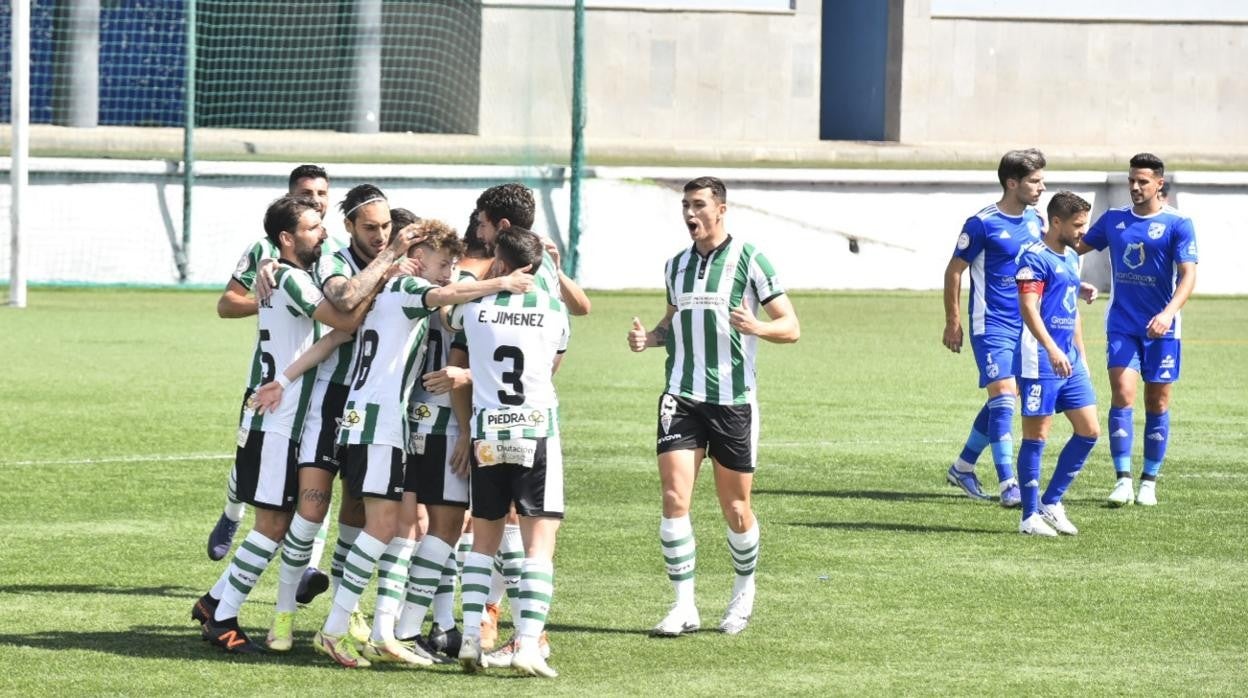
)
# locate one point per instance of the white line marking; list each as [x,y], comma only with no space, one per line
[122,459]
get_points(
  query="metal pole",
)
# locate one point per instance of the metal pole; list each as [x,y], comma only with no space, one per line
[18,172]
[571,260]
[366,68]
[183,255]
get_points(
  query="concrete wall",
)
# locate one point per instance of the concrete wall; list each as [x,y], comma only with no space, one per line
[706,76]
[1132,79]
[102,221]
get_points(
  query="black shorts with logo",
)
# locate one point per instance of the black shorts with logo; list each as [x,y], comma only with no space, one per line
[729,433]
[536,490]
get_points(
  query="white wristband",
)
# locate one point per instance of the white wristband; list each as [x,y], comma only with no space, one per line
[283,381]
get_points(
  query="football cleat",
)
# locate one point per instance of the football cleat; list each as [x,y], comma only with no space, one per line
[1010,495]
[528,660]
[1121,496]
[680,619]
[502,656]
[1034,525]
[738,613]
[228,636]
[203,609]
[444,641]
[470,654]
[312,584]
[357,627]
[967,482]
[395,652]
[340,649]
[221,538]
[1148,494]
[1055,516]
[489,627]
[282,634]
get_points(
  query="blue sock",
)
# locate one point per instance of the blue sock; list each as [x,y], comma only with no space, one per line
[1069,463]
[1121,434]
[1156,438]
[1029,474]
[1000,421]
[978,440]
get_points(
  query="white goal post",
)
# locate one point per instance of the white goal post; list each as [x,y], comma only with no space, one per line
[18,172]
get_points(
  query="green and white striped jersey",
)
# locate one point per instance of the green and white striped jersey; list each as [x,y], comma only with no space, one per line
[546,277]
[284,330]
[390,347]
[708,360]
[512,341]
[426,412]
[249,263]
[338,367]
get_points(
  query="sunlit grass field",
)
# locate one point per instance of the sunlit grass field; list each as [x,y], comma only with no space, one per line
[875,577]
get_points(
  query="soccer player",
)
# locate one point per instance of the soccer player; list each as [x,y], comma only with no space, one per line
[373,432]
[710,403]
[1051,366]
[368,222]
[989,245]
[268,444]
[514,342]
[1152,252]
[305,180]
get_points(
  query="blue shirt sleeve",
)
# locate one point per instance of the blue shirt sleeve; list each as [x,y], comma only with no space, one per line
[970,240]
[1031,267]
[1095,237]
[1183,241]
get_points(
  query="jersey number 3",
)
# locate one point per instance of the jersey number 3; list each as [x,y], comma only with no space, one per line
[513,376]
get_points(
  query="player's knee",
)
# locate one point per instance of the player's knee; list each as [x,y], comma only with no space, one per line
[1156,403]
[675,502]
[738,515]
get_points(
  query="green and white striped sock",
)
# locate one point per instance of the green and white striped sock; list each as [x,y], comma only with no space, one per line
[318,544]
[473,590]
[357,570]
[234,508]
[422,584]
[342,547]
[679,555]
[391,580]
[296,549]
[744,549]
[537,587]
[512,553]
[444,599]
[250,560]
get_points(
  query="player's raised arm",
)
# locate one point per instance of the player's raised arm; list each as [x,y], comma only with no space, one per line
[639,339]
[235,302]
[518,281]
[783,327]
[269,395]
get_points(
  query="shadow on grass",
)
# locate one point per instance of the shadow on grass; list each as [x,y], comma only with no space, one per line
[593,629]
[173,592]
[893,527]
[878,495]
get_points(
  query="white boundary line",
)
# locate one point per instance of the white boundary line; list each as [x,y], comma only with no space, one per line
[121,459]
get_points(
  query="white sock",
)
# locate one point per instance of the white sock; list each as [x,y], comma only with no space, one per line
[346,538]
[234,509]
[511,552]
[444,599]
[250,560]
[422,584]
[537,588]
[476,584]
[318,544]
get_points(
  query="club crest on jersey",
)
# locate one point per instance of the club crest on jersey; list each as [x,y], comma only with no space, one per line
[1133,256]
[1068,302]
[964,241]
[1024,274]
[1156,230]
[667,410]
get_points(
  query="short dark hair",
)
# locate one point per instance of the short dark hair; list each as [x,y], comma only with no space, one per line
[356,197]
[284,214]
[1148,161]
[400,218]
[1065,204]
[715,184]
[512,201]
[473,244]
[518,248]
[1017,164]
[307,172]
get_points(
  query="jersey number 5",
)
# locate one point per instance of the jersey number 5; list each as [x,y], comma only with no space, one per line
[513,376]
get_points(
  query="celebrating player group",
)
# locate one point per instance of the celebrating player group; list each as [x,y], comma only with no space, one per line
[1027,337]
